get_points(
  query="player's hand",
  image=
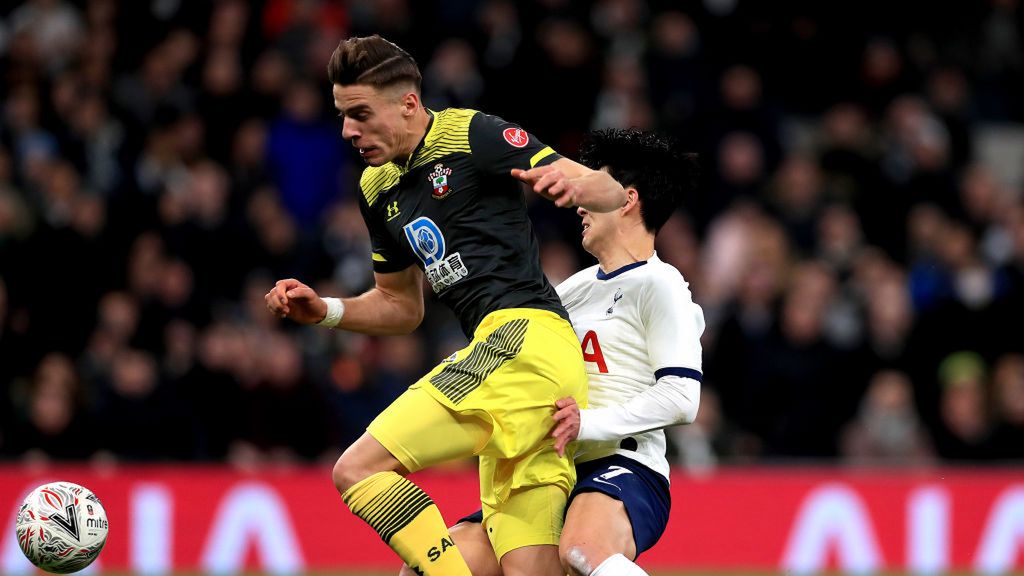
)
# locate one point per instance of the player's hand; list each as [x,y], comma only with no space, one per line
[567,423]
[551,183]
[293,299]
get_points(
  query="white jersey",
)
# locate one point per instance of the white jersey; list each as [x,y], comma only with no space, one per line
[639,328]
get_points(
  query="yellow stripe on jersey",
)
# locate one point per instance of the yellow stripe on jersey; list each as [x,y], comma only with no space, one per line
[460,378]
[547,151]
[379,258]
[377,179]
[449,133]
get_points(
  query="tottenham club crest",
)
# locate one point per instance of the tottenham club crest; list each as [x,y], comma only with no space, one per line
[439,180]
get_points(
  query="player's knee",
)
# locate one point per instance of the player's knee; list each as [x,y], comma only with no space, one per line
[347,473]
[579,559]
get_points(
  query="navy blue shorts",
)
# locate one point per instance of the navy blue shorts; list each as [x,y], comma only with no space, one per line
[643,491]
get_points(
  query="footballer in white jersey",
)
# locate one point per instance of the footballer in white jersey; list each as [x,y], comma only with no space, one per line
[640,331]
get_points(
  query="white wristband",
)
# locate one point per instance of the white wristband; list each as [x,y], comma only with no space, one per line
[335,310]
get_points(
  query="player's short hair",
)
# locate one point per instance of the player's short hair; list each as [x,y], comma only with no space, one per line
[372,61]
[647,161]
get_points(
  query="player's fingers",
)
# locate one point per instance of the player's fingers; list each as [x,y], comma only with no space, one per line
[280,291]
[563,402]
[564,413]
[273,301]
[568,199]
[533,174]
[560,444]
[562,429]
[300,293]
[548,184]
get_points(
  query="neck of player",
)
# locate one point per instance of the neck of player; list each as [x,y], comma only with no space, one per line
[416,130]
[632,243]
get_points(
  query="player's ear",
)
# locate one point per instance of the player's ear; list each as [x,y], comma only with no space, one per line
[632,199]
[410,102]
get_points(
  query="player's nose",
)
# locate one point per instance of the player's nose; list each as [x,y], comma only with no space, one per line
[349,130]
[581,211]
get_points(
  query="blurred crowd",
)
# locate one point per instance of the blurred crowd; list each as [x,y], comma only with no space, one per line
[857,241]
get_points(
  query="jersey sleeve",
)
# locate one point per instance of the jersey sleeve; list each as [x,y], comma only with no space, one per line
[674,324]
[499,146]
[387,256]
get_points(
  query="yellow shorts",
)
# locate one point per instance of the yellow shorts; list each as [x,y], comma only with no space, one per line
[495,398]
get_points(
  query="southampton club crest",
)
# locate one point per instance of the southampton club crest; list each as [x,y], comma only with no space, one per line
[439,180]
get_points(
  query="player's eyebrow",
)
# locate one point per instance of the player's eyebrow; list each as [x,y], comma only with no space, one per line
[352,110]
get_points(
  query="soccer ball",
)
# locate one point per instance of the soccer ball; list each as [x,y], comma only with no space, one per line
[62,527]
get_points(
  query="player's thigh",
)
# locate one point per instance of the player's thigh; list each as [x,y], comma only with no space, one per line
[472,542]
[530,517]
[596,527]
[538,560]
[421,432]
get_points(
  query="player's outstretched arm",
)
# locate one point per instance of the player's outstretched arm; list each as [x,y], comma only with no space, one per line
[393,306]
[568,183]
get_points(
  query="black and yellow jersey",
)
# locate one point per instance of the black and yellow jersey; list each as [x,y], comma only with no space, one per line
[454,211]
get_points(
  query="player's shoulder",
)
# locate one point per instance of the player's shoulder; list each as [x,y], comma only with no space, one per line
[660,277]
[659,269]
[577,281]
[455,118]
[376,179]
[485,127]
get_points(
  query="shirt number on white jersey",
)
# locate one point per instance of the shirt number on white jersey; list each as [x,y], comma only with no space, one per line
[592,351]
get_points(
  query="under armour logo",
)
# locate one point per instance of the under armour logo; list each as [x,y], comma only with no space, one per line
[393,210]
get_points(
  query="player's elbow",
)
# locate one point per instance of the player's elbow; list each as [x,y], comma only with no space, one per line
[689,414]
[688,407]
[404,315]
[685,402]
[412,319]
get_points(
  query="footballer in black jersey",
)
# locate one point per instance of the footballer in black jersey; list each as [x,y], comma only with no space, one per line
[442,197]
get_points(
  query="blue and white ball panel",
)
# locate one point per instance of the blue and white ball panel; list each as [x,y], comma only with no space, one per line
[644,492]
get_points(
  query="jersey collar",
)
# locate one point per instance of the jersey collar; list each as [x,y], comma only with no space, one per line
[602,276]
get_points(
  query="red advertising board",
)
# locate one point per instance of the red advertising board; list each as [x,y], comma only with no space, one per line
[213,519]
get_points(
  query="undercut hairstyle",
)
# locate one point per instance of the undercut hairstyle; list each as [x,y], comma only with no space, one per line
[372,61]
[647,161]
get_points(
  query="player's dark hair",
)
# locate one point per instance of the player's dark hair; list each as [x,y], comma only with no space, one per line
[373,61]
[647,161]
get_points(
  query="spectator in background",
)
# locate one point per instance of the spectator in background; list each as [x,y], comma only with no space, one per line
[965,430]
[451,78]
[53,424]
[1008,407]
[304,155]
[141,419]
[886,430]
[675,69]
